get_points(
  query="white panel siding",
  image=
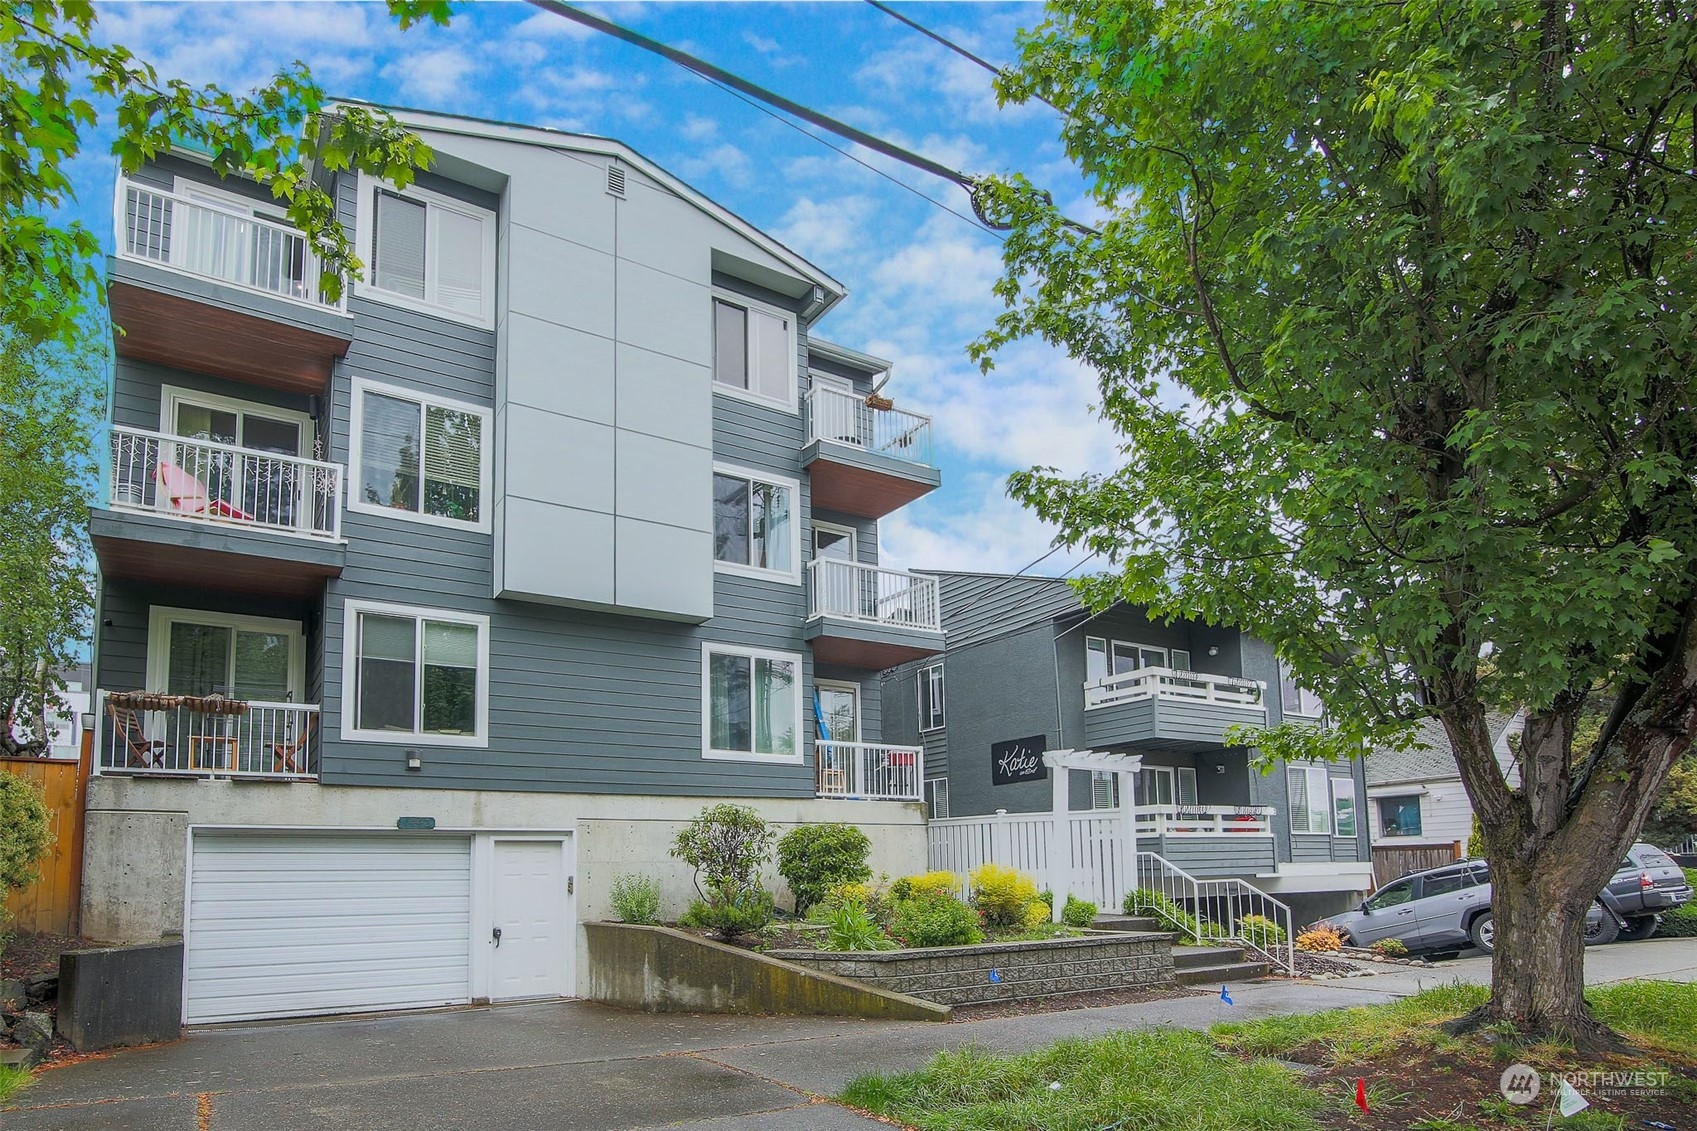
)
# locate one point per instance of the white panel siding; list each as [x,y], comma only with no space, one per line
[1445,813]
[282,926]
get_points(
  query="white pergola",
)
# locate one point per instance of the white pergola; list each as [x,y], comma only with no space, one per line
[1126,766]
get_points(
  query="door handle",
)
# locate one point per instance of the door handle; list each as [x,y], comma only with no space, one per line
[497,938]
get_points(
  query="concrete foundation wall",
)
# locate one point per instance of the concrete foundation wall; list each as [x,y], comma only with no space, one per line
[664,971]
[962,975]
[129,995]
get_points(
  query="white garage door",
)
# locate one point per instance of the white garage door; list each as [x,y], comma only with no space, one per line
[284,925]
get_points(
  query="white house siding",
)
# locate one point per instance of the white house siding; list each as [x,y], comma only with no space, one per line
[1445,815]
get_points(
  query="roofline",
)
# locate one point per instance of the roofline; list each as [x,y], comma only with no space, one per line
[848,356]
[548,138]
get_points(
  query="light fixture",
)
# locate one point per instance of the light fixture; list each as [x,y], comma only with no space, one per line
[1213,650]
[1219,767]
[413,762]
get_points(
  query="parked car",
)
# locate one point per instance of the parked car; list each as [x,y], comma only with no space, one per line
[1649,884]
[1445,909]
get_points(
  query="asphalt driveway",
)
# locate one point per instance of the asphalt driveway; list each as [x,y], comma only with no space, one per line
[579,1066]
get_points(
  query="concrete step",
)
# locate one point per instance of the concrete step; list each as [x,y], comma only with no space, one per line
[1125,923]
[1220,975]
[1186,957]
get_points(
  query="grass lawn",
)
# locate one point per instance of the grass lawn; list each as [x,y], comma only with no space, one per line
[12,1081]
[1417,1078]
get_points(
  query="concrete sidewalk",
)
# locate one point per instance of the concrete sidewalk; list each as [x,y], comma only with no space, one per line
[579,1066]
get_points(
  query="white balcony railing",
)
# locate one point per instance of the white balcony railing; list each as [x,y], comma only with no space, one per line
[839,417]
[1203,820]
[868,771]
[222,243]
[887,597]
[1170,683]
[210,482]
[142,732]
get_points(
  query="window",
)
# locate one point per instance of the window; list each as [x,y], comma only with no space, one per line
[937,795]
[1166,787]
[1308,799]
[931,697]
[420,455]
[1343,806]
[1095,658]
[1446,883]
[191,652]
[754,522]
[1102,658]
[752,703]
[429,251]
[414,675]
[1297,701]
[754,351]
[1399,816]
[1104,789]
[1391,895]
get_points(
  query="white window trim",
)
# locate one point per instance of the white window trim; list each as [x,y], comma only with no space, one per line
[1309,772]
[170,396]
[351,608]
[851,688]
[1398,795]
[793,574]
[356,446]
[708,649]
[364,229]
[837,528]
[1332,782]
[925,725]
[161,617]
[1284,673]
[791,404]
[934,786]
[234,201]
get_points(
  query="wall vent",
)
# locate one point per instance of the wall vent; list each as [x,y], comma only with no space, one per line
[616,181]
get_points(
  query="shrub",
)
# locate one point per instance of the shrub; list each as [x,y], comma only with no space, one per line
[1037,914]
[1390,948]
[930,883]
[636,899]
[853,929]
[729,917]
[1151,904]
[24,834]
[1002,895]
[934,919]
[869,895]
[1258,930]
[1681,922]
[1078,912]
[1319,940]
[727,845]
[813,858]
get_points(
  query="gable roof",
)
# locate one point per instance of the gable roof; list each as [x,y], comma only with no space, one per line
[1432,757]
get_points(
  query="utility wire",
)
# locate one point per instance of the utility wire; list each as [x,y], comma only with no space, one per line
[925,31]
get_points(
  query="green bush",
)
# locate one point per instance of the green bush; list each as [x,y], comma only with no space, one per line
[1681,922]
[853,929]
[815,858]
[934,919]
[636,899]
[728,918]
[1390,948]
[727,845]
[1078,912]
[24,834]
[1258,930]
[928,883]
[1003,895]
[1150,904]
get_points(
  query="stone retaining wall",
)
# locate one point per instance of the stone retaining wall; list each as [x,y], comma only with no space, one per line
[961,975]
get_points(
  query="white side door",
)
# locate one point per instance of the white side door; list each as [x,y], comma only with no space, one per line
[532,932]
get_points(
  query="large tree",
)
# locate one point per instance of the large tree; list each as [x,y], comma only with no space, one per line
[1393,304]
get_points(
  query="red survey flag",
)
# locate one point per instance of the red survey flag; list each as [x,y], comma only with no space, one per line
[1361,1094]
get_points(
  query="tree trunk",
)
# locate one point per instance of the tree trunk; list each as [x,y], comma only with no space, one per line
[1538,965]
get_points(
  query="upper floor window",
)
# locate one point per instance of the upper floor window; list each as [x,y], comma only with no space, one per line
[1309,799]
[1343,806]
[1297,701]
[754,351]
[415,675]
[931,697]
[429,251]
[752,702]
[754,522]
[419,454]
[1104,657]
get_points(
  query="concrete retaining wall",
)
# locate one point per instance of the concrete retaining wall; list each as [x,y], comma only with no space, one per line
[961,975]
[127,995]
[666,971]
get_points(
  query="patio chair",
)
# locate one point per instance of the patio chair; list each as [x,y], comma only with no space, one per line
[290,757]
[187,494]
[141,752]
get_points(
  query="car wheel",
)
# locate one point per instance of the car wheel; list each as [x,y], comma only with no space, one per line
[1484,932]
[1600,927]
[1639,928]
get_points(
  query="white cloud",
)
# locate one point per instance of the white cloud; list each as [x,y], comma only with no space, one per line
[724,160]
[821,229]
[980,530]
[435,78]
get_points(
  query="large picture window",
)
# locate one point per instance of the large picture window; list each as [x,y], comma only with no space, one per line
[754,522]
[429,251]
[1309,799]
[415,675]
[754,351]
[751,703]
[420,455]
[1400,816]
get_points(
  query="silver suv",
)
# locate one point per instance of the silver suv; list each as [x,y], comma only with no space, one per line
[1443,909]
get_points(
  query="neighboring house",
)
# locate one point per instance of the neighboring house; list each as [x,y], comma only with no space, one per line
[1418,812]
[1027,668]
[426,613]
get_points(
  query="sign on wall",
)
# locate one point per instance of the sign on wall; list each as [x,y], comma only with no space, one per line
[1018,759]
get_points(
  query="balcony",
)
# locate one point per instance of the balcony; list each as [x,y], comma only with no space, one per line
[1166,709]
[1209,840]
[210,289]
[211,515]
[149,734]
[863,460]
[862,616]
[868,771]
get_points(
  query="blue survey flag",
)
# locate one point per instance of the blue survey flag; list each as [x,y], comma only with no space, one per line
[1226,997]
[995,975]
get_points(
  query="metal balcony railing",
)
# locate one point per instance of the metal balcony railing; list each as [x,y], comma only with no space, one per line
[838,417]
[888,597]
[213,242]
[142,732]
[205,481]
[869,771]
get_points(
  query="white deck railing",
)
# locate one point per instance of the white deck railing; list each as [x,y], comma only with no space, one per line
[146,733]
[879,596]
[213,242]
[1172,683]
[221,483]
[870,771]
[1203,820]
[838,417]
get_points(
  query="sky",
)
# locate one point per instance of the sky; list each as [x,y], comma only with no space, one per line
[919,275]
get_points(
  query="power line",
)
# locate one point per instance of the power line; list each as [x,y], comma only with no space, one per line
[925,31]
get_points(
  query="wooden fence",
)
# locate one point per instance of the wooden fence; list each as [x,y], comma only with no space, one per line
[1391,861]
[50,905]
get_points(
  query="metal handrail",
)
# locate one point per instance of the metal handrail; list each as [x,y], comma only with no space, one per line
[189,736]
[1216,909]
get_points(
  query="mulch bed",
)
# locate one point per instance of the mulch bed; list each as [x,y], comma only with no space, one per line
[1422,1087]
[27,955]
[1072,1001]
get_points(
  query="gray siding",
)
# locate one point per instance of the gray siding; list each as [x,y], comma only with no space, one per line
[1216,856]
[996,693]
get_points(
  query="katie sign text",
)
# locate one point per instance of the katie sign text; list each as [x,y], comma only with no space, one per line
[1019,759]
